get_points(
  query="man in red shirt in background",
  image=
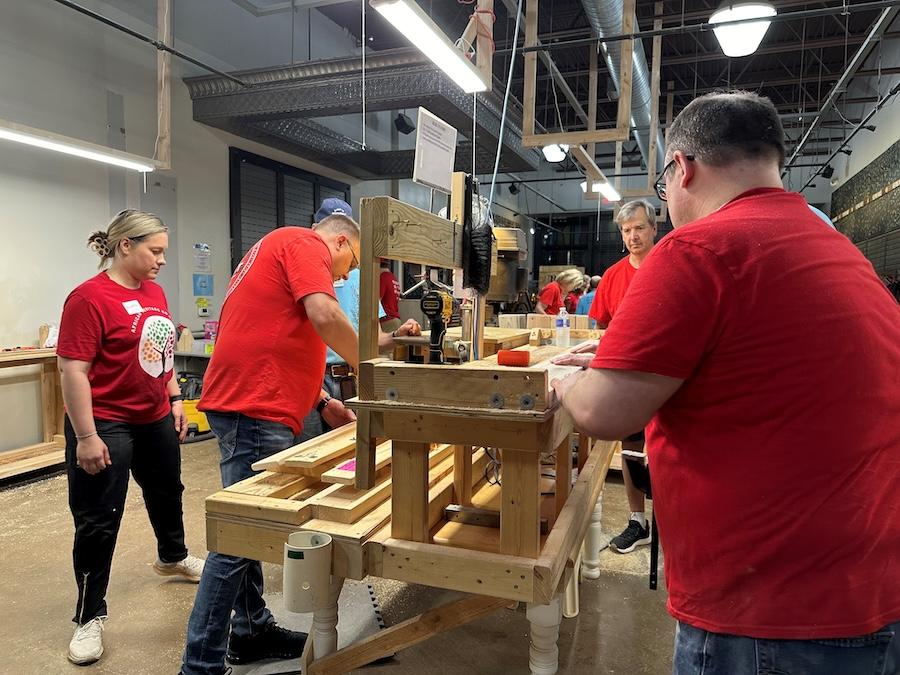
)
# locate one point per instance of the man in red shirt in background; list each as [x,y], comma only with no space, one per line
[637,223]
[389,292]
[763,351]
[266,373]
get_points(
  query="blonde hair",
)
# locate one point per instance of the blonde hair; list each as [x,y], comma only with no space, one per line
[128,224]
[569,278]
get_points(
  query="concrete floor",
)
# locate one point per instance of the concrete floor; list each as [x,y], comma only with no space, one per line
[622,627]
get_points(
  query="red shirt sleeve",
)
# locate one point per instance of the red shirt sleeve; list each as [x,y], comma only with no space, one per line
[671,315]
[551,295]
[80,330]
[307,268]
[599,310]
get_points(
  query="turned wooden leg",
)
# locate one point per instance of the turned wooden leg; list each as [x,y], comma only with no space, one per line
[543,656]
[590,566]
[324,627]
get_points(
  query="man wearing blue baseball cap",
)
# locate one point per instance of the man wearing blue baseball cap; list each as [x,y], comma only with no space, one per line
[339,384]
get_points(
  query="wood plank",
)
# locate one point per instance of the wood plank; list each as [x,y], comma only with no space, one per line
[462,474]
[655,64]
[51,401]
[345,473]
[261,508]
[272,484]
[456,569]
[626,68]
[407,633]
[592,97]
[520,518]
[30,464]
[499,387]
[403,232]
[26,357]
[29,452]
[572,523]
[575,137]
[409,491]
[563,474]
[312,451]
[163,149]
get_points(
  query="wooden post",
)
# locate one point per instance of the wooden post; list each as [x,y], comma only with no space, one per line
[368,338]
[563,473]
[670,107]
[409,491]
[623,119]
[531,19]
[654,97]
[462,474]
[520,513]
[164,85]
[592,100]
[484,51]
[51,401]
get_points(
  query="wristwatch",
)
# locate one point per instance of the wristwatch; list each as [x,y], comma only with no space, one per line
[176,397]
[322,404]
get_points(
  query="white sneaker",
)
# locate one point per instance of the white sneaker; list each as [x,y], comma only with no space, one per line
[191,568]
[87,643]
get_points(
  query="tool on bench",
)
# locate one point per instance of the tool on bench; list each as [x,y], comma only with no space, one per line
[438,307]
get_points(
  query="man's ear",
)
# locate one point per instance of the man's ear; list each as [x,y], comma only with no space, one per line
[687,169]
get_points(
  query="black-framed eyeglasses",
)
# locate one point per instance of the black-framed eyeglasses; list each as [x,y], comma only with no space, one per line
[660,184]
[355,264]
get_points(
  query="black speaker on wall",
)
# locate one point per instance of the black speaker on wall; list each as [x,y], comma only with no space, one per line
[404,124]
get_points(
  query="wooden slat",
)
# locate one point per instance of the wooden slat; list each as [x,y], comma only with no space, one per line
[163,150]
[26,357]
[626,67]
[409,491]
[520,518]
[27,465]
[462,474]
[308,458]
[345,473]
[563,474]
[272,484]
[592,98]
[403,232]
[262,508]
[654,96]
[51,401]
[407,633]
[575,137]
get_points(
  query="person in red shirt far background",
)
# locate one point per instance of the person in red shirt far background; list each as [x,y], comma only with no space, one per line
[389,291]
[551,298]
[764,353]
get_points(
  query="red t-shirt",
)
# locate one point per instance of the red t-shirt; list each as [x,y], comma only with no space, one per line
[775,465]
[572,301]
[611,290]
[269,361]
[551,296]
[389,290]
[128,338]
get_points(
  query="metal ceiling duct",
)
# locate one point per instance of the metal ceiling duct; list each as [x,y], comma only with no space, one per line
[280,106]
[605,17]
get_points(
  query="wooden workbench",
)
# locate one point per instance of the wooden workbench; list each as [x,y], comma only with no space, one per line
[51,451]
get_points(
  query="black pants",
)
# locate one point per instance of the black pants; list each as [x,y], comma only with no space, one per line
[152,453]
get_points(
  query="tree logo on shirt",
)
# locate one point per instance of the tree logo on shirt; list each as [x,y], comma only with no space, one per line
[157,346]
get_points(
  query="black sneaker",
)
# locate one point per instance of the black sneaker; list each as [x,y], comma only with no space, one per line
[274,642]
[632,536]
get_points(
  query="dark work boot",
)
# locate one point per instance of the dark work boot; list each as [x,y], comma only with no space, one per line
[274,642]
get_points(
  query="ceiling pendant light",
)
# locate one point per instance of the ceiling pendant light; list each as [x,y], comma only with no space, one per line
[606,189]
[417,27]
[744,38]
[555,153]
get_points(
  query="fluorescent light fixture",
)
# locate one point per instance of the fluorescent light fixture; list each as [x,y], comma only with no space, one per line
[555,153]
[742,39]
[39,138]
[606,189]
[407,17]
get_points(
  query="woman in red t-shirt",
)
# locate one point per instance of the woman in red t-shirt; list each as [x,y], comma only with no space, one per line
[123,413]
[550,299]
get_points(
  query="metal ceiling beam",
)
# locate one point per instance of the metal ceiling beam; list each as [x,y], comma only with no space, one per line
[882,23]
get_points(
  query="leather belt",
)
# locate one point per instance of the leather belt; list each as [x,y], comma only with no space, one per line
[338,369]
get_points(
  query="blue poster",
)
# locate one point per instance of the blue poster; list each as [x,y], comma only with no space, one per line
[203,284]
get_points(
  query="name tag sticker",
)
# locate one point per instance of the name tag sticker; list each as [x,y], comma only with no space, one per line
[133,307]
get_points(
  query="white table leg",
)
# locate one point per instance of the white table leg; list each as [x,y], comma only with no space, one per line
[590,566]
[324,627]
[543,656]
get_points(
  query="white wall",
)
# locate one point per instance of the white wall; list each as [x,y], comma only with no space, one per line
[57,70]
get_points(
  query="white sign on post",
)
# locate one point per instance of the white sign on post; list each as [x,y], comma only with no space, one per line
[435,152]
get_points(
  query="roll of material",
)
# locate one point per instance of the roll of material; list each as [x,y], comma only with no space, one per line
[307,571]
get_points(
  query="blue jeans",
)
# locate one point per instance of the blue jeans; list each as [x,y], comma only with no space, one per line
[700,652]
[228,582]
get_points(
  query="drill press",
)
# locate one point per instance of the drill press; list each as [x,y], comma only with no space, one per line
[437,305]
